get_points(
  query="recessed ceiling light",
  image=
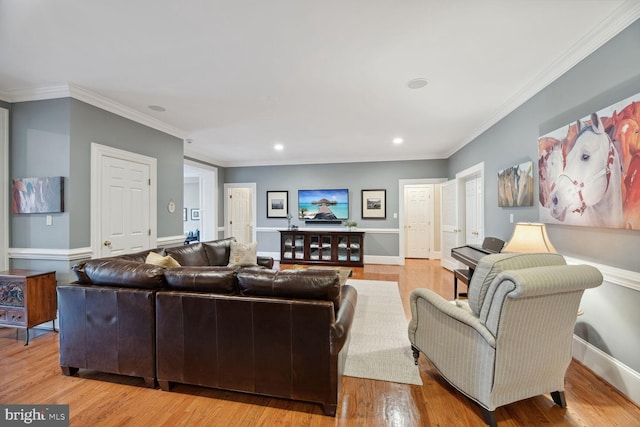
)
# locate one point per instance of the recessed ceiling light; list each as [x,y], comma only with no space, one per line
[398,141]
[278,147]
[157,108]
[418,83]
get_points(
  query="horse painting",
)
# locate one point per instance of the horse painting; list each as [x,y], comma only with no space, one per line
[515,185]
[588,191]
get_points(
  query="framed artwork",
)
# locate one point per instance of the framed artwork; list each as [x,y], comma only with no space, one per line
[515,185]
[374,204]
[277,204]
[184,214]
[38,195]
[588,169]
[195,214]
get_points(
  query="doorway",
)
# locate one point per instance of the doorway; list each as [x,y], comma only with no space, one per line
[201,194]
[123,201]
[419,219]
[240,212]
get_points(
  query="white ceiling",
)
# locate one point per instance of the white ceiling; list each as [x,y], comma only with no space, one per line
[327,79]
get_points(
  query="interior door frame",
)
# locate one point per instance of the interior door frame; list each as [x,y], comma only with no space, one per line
[4,190]
[401,233]
[254,210]
[208,196]
[98,151]
[475,171]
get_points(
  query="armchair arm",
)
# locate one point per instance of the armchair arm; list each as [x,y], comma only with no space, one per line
[447,308]
[265,261]
[344,318]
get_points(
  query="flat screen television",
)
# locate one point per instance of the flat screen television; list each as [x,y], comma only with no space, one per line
[323,205]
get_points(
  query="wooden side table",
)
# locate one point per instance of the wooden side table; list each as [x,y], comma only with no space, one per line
[27,298]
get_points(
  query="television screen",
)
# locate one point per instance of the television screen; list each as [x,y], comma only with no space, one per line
[323,205]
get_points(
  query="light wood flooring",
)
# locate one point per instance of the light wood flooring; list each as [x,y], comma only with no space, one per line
[31,375]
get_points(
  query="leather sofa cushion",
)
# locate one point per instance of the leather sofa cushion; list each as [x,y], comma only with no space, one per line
[140,256]
[218,251]
[220,280]
[302,284]
[127,274]
[189,255]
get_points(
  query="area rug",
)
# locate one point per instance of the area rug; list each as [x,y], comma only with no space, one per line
[380,347]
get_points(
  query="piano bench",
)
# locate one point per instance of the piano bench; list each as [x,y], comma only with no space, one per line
[465,277]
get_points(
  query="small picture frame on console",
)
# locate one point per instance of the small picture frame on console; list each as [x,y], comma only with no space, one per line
[374,204]
[277,204]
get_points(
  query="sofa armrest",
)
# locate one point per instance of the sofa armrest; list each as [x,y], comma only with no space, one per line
[265,261]
[344,318]
[448,309]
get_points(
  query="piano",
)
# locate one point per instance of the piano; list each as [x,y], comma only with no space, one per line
[470,255]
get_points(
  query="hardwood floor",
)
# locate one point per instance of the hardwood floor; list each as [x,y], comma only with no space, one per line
[31,375]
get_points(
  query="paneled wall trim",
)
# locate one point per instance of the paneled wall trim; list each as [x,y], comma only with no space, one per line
[613,275]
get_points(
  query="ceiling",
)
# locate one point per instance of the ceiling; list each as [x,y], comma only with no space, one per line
[327,80]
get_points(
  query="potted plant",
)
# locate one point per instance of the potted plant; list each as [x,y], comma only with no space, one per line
[350,224]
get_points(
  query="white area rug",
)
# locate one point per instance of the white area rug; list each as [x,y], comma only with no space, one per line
[380,347]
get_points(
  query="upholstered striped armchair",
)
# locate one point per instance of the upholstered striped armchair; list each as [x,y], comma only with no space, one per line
[512,339]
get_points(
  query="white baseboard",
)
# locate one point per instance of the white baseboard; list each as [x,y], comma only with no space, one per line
[619,375]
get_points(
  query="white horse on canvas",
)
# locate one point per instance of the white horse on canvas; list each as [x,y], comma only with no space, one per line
[588,191]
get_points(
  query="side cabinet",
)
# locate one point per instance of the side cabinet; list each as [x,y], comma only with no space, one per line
[344,248]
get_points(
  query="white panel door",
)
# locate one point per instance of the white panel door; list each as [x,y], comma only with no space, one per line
[4,188]
[449,218]
[240,216]
[471,212]
[418,207]
[125,226]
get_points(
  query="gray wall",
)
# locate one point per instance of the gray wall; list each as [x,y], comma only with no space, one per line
[53,138]
[354,176]
[610,74]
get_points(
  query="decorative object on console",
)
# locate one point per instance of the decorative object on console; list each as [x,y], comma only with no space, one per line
[350,224]
[374,204]
[38,195]
[588,169]
[277,204]
[529,237]
[515,185]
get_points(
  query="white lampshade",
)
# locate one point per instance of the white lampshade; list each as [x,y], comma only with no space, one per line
[529,237]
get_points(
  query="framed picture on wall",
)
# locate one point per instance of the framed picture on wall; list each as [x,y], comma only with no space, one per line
[184,214]
[374,204]
[277,204]
[195,214]
[38,195]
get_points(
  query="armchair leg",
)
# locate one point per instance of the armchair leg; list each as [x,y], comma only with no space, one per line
[416,354]
[489,417]
[558,398]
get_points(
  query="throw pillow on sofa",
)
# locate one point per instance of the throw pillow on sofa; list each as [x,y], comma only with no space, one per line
[243,254]
[162,261]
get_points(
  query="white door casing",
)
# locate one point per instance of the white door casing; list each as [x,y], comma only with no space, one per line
[451,233]
[418,211]
[4,190]
[123,201]
[240,212]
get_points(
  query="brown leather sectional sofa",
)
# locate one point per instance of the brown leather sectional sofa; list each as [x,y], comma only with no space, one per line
[252,329]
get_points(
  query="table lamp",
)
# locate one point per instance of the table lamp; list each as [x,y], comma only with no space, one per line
[529,237]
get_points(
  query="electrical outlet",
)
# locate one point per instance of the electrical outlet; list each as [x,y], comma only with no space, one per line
[49,220]
[395,215]
[511,218]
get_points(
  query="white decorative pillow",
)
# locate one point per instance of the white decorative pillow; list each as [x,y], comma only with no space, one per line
[243,254]
[163,261]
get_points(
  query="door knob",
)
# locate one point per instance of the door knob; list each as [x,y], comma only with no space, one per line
[107,243]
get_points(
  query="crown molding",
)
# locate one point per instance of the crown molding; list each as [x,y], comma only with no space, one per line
[85,95]
[4,96]
[627,13]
